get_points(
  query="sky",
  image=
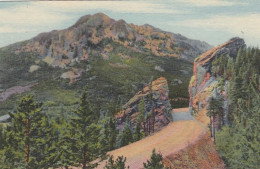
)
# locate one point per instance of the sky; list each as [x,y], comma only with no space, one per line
[212,21]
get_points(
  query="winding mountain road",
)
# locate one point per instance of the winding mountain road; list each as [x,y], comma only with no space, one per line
[184,130]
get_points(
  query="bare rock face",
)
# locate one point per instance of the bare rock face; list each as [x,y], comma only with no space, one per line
[160,105]
[91,32]
[203,82]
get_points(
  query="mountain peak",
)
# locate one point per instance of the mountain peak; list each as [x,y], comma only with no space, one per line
[97,32]
[98,19]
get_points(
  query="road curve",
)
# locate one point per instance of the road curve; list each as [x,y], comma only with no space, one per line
[183,131]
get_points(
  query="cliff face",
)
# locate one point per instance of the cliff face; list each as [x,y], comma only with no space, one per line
[203,84]
[91,34]
[160,105]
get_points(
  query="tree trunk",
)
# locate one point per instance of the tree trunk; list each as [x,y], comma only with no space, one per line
[27,140]
[149,125]
[210,126]
[84,162]
[237,111]
[144,129]
[244,122]
[229,116]
[214,131]
[153,120]
[223,121]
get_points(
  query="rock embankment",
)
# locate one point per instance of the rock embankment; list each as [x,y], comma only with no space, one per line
[203,84]
[159,105]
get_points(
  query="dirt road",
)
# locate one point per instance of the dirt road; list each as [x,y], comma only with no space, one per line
[177,135]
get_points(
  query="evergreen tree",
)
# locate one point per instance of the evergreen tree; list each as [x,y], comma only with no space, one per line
[112,110]
[215,108]
[239,143]
[65,143]
[2,137]
[137,132]
[119,163]
[155,161]
[127,136]
[109,134]
[28,137]
[2,145]
[141,115]
[47,147]
[230,66]
[85,133]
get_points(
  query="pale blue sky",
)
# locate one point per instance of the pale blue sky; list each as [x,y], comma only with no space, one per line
[213,21]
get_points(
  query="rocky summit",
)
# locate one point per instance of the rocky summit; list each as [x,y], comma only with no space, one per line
[91,34]
[159,106]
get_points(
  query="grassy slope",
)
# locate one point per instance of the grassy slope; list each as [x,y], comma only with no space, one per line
[104,81]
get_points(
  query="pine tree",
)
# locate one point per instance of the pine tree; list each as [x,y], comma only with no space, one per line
[138,133]
[2,137]
[2,145]
[220,102]
[112,109]
[65,142]
[119,163]
[239,144]
[127,136]
[155,161]
[27,136]
[85,133]
[230,67]
[109,134]
[215,107]
[47,147]
[141,115]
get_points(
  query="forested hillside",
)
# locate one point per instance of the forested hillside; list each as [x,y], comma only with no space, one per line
[239,141]
[224,94]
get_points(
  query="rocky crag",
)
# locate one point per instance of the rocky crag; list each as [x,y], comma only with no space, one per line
[204,83]
[89,34]
[159,105]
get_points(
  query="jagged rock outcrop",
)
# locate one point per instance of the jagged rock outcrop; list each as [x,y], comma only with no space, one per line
[203,84]
[91,34]
[160,105]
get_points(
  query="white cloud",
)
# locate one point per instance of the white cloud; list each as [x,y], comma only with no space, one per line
[204,3]
[115,6]
[28,16]
[245,26]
